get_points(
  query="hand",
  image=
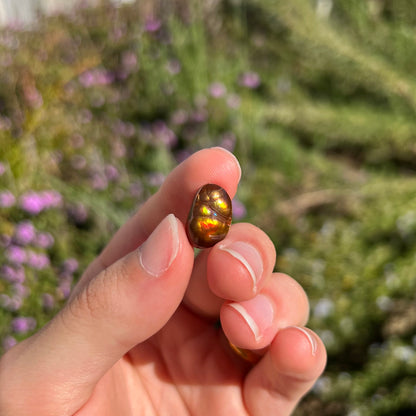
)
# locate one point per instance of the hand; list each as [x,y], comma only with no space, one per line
[139,335]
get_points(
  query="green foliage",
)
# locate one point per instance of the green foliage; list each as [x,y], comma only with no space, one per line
[99,105]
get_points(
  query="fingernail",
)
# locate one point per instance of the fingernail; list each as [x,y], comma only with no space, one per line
[231,154]
[249,257]
[157,253]
[310,338]
[258,313]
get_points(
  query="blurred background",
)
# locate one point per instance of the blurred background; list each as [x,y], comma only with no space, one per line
[317,98]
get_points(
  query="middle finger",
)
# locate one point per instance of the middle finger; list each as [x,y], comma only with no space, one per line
[235,269]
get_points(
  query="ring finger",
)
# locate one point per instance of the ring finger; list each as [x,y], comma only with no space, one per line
[253,324]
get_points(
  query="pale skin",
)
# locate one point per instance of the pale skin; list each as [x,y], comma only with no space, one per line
[140,334]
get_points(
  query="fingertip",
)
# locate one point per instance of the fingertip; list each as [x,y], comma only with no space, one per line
[213,165]
[235,270]
[157,254]
[240,265]
[232,157]
[249,324]
[295,360]
[298,352]
[292,303]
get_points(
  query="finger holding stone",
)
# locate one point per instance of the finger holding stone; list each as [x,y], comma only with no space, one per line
[253,324]
[239,266]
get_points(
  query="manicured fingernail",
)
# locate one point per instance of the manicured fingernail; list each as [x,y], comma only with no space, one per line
[249,257]
[157,253]
[258,313]
[309,336]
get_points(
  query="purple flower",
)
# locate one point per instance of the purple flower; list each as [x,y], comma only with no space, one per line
[111,172]
[163,134]
[7,199]
[48,301]
[9,342]
[124,129]
[33,97]
[78,213]
[104,77]
[31,202]
[152,25]
[217,89]
[20,290]
[99,181]
[70,266]
[13,274]
[16,303]
[22,325]
[7,273]
[87,79]
[51,199]
[6,302]
[13,303]
[239,210]
[35,202]
[15,254]
[44,240]
[24,233]
[179,117]
[38,261]
[64,288]
[96,76]
[250,80]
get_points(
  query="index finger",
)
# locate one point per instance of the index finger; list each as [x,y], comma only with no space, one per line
[214,165]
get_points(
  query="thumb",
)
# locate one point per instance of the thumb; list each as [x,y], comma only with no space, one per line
[122,306]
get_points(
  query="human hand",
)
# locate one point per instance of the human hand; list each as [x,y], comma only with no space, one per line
[138,335]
